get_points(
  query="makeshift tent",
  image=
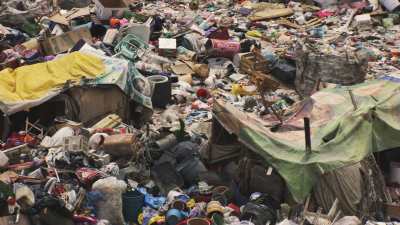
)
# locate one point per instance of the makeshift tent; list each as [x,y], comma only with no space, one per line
[32,84]
[342,133]
[29,86]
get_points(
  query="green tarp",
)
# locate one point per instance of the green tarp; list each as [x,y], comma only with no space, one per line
[341,134]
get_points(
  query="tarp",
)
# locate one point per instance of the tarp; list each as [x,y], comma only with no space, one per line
[341,135]
[33,83]
[122,73]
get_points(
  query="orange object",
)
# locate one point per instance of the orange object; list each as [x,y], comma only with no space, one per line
[395,52]
[195,105]
[114,22]
[28,138]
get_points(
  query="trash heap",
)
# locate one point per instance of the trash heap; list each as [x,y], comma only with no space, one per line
[158,156]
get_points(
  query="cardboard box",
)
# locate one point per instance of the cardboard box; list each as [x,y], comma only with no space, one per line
[75,144]
[167,47]
[105,9]
[251,62]
[63,42]
[72,14]
[363,21]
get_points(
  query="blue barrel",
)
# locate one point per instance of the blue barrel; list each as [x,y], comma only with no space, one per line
[132,204]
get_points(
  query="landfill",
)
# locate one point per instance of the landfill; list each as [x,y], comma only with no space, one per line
[198,112]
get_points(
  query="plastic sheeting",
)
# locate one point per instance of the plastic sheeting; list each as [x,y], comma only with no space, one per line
[341,135]
[346,184]
[95,68]
[32,83]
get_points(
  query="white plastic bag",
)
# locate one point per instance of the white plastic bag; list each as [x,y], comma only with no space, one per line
[110,207]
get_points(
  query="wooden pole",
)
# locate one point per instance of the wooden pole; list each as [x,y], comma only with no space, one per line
[307,132]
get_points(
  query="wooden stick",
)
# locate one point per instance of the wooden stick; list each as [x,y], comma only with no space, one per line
[307,132]
[353,100]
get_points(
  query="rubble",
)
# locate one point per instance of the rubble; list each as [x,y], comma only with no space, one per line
[199,112]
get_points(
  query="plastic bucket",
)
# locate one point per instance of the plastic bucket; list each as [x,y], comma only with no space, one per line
[174,216]
[198,221]
[179,205]
[161,90]
[132,203]
[220,190]
[220,194]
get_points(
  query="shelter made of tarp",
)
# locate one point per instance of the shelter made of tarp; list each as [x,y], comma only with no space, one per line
[32,85]
[26,85]
[341,133]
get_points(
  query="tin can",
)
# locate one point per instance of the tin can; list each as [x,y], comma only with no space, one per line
[222,48]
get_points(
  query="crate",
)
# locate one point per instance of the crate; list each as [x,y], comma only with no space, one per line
[253,62]
[63,42]
[75,144]
[265,81]
[314,66]
[105,9]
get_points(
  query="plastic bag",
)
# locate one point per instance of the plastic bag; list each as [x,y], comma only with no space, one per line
[348,220]
[110,207]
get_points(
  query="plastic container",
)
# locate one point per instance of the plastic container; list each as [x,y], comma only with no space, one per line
[222,48]
[132,204]
[173,216]
[161,90]
[220,194]
[108,8]
[198,221]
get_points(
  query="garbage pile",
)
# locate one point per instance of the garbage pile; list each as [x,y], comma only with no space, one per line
[141,154]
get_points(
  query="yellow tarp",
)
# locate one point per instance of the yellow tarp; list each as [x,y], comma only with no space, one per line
[35,81]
